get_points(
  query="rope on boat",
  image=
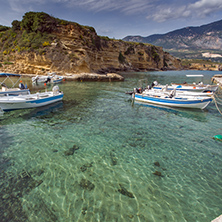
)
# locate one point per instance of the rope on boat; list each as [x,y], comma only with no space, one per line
[216,104]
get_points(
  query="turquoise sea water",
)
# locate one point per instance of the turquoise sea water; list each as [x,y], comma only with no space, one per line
[97,156]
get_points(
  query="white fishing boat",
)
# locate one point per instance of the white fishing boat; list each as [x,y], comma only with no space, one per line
[8,103]
[57,79]
[166,90]
[172,100]
[198,87]
[50,78]
[10,91]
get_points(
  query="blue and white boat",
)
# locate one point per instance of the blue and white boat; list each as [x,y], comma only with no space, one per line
[8,103]
[172,100]
[50,78]
[197,87]
[10,91]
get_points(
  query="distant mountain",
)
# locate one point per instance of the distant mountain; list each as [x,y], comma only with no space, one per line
[192,38]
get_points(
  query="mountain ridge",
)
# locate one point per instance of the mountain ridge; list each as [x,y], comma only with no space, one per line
[208,36]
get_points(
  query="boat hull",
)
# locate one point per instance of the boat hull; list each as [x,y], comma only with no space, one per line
[7,103]
[174,102]
[13,92]
[57,80]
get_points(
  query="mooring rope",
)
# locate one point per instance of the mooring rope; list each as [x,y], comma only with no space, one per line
[216,104]
[218,99]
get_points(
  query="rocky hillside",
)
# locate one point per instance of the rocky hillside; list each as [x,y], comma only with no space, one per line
[203,37]
[41,43]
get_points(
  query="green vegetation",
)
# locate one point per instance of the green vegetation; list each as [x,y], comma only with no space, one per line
[140,53]
[105,38]
[33,33]
[36,32]
[155,55]
[188,62]
[130,50]
[38,22]
[3,28]
[121,58]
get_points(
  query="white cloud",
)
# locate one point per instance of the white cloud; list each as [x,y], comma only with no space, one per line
[166,13]
[199,9]
[206,7]
[23,5]
[157,10]
[124,6]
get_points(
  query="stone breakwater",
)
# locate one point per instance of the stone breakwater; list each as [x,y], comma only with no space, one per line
[217,79]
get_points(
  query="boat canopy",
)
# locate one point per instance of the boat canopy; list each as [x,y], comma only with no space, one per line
[9,74]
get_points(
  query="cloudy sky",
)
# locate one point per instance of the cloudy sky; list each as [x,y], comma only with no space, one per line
[119,18]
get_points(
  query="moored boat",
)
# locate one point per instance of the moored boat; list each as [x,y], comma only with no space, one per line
[8,103]
[173,100]
[50,78]
[166,90]
[197,87]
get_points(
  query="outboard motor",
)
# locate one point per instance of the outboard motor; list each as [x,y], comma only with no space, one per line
[155,83]
[55,90]
[48,79]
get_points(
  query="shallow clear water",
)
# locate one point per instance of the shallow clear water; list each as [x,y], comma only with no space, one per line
[118,148]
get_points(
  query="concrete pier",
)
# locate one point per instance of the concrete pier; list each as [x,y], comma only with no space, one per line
[217,79]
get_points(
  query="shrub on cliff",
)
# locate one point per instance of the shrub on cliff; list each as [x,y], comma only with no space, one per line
[30,34]
[38,22]
[16,25]
[3,28]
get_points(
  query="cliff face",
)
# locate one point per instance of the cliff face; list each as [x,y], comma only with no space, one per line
[78,49]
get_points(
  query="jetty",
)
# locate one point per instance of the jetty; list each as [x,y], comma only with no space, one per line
[217,79]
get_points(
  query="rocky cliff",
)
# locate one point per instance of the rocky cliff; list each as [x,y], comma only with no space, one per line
[73,48]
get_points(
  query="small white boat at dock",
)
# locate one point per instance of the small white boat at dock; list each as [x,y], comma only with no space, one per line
[50,78]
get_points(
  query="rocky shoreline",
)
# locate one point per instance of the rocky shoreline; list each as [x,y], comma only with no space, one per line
[94,77]
[87,77]
[82,76]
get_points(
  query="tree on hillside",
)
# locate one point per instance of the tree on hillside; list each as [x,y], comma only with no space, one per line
[38,22]
[16,25]
[3,28]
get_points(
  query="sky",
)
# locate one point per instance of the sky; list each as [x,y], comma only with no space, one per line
[120,18]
